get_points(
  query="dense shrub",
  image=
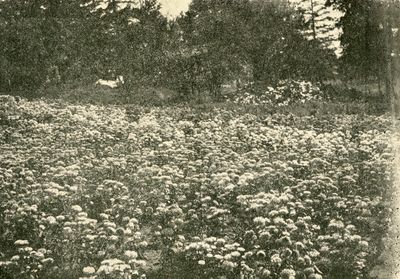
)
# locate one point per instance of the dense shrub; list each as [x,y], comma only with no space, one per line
[284,93]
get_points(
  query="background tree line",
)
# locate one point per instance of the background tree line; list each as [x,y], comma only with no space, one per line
[214,42]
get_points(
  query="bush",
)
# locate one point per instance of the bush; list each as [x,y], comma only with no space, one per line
[284,93]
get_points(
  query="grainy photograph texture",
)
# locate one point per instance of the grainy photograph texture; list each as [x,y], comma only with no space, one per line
[199,139]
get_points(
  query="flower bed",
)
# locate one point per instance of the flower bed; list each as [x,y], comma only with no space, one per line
[96,192]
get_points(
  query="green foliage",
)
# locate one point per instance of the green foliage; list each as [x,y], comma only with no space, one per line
[217,42]
[23,54]
[368,38]
[213,43]
[280,50]
[79,40]
[37,39]
[363,39]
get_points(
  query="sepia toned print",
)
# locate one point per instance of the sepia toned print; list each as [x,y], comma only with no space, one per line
[191,139]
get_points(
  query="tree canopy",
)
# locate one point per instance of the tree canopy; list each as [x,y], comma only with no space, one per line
[212,43]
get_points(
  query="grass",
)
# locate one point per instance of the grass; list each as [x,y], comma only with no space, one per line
[83,92]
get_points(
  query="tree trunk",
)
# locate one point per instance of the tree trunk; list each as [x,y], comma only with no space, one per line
[379,85]
[389,64]
[313,20]
[367,50]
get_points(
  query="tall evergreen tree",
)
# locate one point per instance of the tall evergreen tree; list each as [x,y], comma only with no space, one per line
[367,39]
[321,21]
[280,50]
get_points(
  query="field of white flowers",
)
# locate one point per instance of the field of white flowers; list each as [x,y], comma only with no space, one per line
[115,192]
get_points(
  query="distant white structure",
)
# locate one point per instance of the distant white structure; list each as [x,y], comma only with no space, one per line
[111,83]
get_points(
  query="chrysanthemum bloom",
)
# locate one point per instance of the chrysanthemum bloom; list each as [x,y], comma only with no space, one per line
[51,220]
[76,208]
[276,260]
[288,274]
[21,242]
[67,230]
[88,270]
[131,254]
[15,258]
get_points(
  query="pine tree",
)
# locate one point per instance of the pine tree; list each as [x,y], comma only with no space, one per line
[368,40]
[321,21]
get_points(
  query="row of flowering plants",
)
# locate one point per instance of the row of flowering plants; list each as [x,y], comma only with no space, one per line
[286,92]
[102,192]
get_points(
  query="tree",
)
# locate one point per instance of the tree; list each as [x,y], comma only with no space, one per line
[391,21]
[35,35]
[214,36]
[131,36]
[77,39]
[220,41]
[362,38]
[279,48]
[321,21]
[369,41]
